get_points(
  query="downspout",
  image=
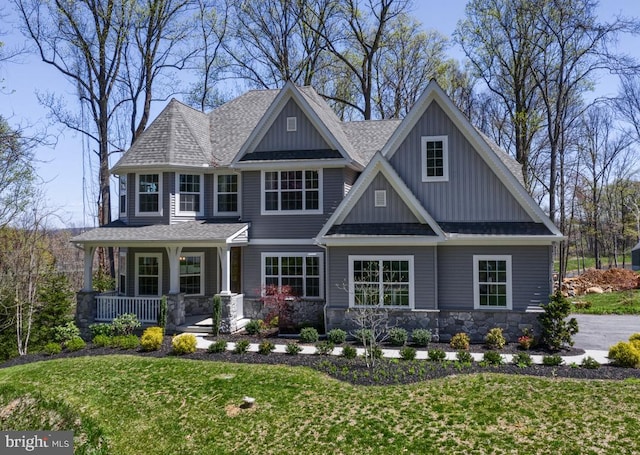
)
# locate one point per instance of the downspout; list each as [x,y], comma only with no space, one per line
[326,281]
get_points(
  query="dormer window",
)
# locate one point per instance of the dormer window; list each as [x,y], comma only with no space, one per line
[189,194]
[435,159]
[149,200]
[292,124]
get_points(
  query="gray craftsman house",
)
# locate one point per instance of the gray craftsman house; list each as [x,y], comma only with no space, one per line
[424,216]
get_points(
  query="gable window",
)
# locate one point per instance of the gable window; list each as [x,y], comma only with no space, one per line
[226,197]
[302,272]
[435,159]
[492,282]
[148,273]
[380,197]
[292,191]
[149,200]
[191,273]
[292,124]
[381,281]
[123,194]
[189,194]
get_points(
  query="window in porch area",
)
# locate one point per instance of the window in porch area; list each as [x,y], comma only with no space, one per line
[191,273]
[381,281]
[148,274]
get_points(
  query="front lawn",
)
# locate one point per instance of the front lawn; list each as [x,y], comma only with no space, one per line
[623,302]
[176,406]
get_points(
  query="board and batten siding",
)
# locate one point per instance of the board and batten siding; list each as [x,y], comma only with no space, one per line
[168,186]
[365,210]
[473,191]
[292,226]
[252,263]
[530,274]
[424,284]
[306,136]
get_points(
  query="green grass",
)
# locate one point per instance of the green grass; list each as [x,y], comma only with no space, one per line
[574,262]
[177,406]
[625,302]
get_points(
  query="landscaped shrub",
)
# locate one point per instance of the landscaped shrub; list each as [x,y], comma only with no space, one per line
[460,341]
[398,336]
[185,343]
[66,332]
[525,342]
[557,331]
[349,352]
[337,336]
[363,336]
[216,315]
[421,337]
[152,339]
[495,339]
[374,352]
[162,313]
[624,355]
[293,348]
[552,360]
[437,355]
[254,326]
[52,348]
[407,353]
[522,359]
[266,347]
[100,329]
[634,337]
[75,344]
[590,363]
[125,324]
[324,347]
[492,358]
[101,341]
[242,346]
[308,335]
[125,342]
[464,357]
[217,347]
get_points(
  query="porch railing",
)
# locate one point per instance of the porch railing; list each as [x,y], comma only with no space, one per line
[111,306]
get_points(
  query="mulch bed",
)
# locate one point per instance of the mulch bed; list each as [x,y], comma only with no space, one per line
[355,371]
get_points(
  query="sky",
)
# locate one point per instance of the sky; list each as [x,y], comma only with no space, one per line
[60,165]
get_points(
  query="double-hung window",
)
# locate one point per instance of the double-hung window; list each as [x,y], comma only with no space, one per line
[226,197]
[492,282]
[435,158]
[292,191]
[123,194]
[148,273]
[189,194]
[191,273]
[381,281]
[300,272]
[149,200]
[122,273]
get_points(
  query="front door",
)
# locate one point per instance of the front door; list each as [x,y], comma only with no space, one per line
[235,277]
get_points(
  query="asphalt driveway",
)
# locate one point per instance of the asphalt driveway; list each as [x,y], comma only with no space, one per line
[600,332]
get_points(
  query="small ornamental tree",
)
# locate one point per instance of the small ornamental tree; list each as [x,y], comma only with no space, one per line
[216,316]
[279,301]
[557,331]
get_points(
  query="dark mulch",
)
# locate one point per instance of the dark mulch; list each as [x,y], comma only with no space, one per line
[355,371]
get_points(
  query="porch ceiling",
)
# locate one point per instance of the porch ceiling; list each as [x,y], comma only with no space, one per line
[189,232]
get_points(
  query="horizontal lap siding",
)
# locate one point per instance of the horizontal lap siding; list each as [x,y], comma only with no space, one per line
[530,268]
[473,192]
[423,280]
[289,226]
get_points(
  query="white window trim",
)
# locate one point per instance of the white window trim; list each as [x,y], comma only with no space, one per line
[122,271]
[476,282]
[304,274]
[216,210]
[380,198]
[317,211]
[156,255]
[123,207]
[352,292]
[178,193]
[292,124]
[199,254]
[137,194]
[445,158]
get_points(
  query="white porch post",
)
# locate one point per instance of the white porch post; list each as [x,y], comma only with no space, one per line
[88,268]
[224,254]
[174,253]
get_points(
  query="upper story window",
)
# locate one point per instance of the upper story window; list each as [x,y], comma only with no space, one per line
[189,194]
[227,189]
[292,124]
[123,194]
[149,197]
[492,282]
[435,159]
[292,191]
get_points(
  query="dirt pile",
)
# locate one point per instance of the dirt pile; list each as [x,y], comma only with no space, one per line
[598,281]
